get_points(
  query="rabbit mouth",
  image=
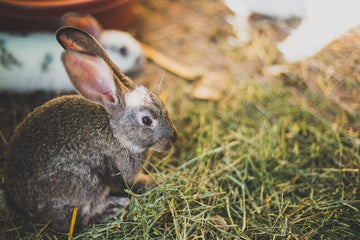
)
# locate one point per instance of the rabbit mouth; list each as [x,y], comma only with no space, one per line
[161,146]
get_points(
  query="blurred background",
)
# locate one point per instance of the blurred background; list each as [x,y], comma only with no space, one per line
[265,98]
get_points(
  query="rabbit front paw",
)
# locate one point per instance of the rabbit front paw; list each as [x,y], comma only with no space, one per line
[110,209]
[144,181]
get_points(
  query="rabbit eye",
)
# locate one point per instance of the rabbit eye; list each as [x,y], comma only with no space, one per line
[124,51]
[147,121]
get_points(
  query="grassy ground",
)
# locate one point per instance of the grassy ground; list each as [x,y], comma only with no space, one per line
[259,164]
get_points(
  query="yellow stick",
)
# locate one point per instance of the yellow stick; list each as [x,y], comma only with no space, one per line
[73,219]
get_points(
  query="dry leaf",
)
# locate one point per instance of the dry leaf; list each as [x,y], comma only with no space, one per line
[207,93]
[274,70]
[220,222]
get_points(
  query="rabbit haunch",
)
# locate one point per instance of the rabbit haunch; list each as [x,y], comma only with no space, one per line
[72,150]
[32,62]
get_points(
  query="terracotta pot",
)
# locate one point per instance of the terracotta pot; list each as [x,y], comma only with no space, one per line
[44,15]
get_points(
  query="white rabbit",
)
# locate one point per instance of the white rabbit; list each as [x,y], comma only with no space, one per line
[282,9]
[322,22]
[31,62]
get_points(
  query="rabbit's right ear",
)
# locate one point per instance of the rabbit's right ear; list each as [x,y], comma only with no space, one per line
[93,78]
[76,39]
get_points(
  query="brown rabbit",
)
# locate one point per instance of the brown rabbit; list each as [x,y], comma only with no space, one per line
[70,151]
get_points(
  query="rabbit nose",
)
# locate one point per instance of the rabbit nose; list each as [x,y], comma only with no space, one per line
[174,137]
[139,61]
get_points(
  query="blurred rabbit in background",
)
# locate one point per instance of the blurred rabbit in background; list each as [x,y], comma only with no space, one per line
[31,62]
[322,22]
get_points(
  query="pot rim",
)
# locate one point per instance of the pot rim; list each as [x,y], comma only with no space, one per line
[48,8]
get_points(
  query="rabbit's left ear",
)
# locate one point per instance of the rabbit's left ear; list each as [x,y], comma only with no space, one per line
[93,78]
[85,22]
[76,39]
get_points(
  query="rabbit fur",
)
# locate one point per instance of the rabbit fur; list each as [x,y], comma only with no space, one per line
[70,151]
[30,62]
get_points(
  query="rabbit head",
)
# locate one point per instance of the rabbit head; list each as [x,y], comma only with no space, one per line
[122,48]
[137,117]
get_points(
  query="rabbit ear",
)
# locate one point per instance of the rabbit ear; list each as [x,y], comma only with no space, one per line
[76,39]
[93,78]
[85,22]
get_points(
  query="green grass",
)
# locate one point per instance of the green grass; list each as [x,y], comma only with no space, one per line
[259,164]
[253,166]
